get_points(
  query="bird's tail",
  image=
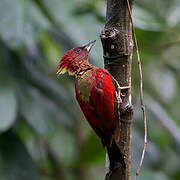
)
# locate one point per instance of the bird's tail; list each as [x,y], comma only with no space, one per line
[115,155]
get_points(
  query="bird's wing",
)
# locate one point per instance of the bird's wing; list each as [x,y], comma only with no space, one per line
[102,99]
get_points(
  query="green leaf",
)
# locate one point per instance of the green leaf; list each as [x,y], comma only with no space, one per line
[8,107]
[34,22]
[146,20]
[147,174]
[41,113]
[81,29]
[21,22]
[64,145]
[36,115]
[92,150]
[15,161]
[11,22]
[50,49]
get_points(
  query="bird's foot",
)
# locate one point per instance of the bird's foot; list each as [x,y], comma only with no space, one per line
[120,94]
[124,87]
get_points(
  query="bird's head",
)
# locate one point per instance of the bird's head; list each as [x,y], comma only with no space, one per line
[74,59]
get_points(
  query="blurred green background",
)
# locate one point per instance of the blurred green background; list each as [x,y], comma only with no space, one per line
[43,134]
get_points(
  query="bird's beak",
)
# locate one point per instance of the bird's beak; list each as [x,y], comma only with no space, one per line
[89,45]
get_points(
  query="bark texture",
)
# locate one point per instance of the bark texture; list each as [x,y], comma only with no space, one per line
[117,44]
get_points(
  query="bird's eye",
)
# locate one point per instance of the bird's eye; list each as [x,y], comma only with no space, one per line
[78,50]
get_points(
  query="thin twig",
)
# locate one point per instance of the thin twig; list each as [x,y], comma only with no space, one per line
[141,93]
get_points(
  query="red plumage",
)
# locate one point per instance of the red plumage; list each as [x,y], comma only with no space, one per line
[97,97]
[99,111]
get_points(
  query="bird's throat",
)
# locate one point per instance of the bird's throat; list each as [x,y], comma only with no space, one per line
[83,83]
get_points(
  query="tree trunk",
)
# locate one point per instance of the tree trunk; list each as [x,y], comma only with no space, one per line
[117,44]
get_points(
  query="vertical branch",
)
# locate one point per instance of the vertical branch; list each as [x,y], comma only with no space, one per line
[117,44]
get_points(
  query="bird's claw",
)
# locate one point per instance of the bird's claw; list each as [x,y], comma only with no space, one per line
[119,94]
[124,87]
